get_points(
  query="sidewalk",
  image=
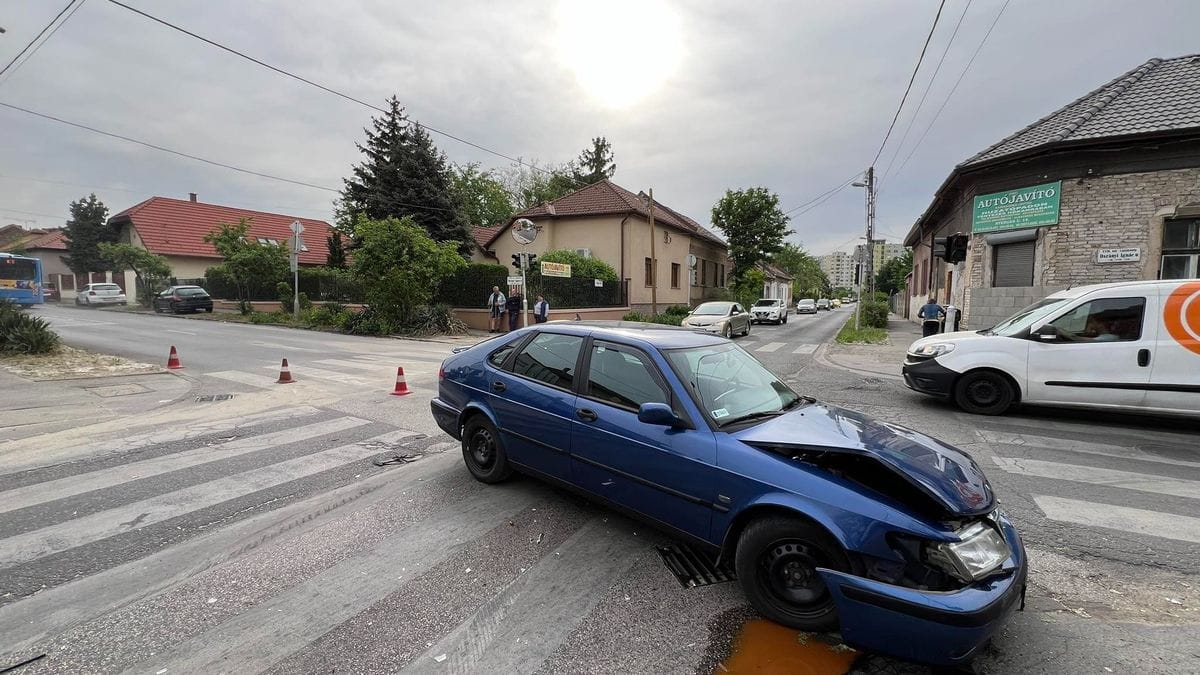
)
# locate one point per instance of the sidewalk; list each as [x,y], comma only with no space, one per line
[878,360]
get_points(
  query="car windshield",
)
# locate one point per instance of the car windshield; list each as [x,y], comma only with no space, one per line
[807,301]
[1025,318]
[767,303]
[730,385]
[713,309]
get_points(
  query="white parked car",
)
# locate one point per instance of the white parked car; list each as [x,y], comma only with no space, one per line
[767,309]
[1131,346]
[100,294]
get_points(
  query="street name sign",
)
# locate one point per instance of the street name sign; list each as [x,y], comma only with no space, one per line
[1118,255]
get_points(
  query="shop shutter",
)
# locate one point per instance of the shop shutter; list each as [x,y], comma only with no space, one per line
[1013,264]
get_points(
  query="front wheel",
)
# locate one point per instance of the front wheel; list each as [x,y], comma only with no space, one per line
[984,393]
[776,561]
[727,332]
[483,452]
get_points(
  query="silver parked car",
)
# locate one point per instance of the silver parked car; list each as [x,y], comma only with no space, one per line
[100,294]
[726,318]
[806,306]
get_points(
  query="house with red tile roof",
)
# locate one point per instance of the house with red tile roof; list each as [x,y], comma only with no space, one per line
[606,221]
[175,229]
[48,245]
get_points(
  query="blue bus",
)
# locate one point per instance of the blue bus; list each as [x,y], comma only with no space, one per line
[20,279]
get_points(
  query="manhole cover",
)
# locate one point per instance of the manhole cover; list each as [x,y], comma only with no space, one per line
[118,390]
[209,398]
[693,568]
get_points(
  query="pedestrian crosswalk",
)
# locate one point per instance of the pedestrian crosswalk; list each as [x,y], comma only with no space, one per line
[1102,478]
[364,371]
[772,347]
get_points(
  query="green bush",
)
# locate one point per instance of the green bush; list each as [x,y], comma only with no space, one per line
[633,316]
[581,267]
[435,320]
[667,319]
[369,322]
[677,310]
[863,335]
[21,333]
[874,314]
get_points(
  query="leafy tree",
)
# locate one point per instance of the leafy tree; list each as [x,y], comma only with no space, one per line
[753,224]
[404,174]
[149,269]
[86,230]
[890,278]
[808,281]
[248,264]
[481,195]
[581,267]
[527,187]
[336,258]
[400,267]
[595,163]
[748,288]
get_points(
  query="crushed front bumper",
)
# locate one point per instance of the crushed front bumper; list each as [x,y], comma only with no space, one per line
[928,376]
[937,628]
[446,417]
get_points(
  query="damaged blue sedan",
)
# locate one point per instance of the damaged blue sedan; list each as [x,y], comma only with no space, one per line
[832,520]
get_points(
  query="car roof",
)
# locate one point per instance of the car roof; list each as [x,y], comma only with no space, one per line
[658,335]
[1078,291]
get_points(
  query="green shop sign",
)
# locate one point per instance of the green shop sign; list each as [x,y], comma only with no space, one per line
[1034,206]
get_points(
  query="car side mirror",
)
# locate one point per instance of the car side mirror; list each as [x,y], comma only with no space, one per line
[1046,333]
[659,414]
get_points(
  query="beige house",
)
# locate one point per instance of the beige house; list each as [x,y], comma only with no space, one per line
[606,221]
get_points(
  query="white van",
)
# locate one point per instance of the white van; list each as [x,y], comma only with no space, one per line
[1127,346]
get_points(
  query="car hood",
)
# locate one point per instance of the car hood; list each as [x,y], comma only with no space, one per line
[955,338]
[943,473]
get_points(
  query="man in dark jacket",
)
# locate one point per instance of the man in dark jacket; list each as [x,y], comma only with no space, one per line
[931,315]
[514,311]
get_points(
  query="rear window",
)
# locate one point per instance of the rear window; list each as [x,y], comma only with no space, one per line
[105,287]
[191,292]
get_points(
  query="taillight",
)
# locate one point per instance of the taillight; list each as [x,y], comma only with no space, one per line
[442,371]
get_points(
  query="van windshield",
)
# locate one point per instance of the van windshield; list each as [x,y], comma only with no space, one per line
[1025,318]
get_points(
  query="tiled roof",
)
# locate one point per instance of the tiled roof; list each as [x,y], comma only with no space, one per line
[52,239]
[483,235]
[1160,95]
[774,272]
[177,227]
[607,198]
[27,240]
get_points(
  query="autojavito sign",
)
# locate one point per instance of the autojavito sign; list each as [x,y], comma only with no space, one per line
[1033,206]
[553,269]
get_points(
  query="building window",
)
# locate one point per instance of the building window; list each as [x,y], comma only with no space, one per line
[674,275]
[649,272]
[1181,250]
[1012,264]
[721,280]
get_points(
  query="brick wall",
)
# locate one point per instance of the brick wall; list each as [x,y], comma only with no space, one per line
[989,306]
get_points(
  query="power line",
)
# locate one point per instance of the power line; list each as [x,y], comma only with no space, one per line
[36,37]
[910,82]
[829,192]
[4,209]
[954,88]
[43,42]
[322,87]
[928,87]
[826,197]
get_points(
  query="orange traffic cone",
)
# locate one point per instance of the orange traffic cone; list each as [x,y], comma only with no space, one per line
[285,374]
[173,360]
[401,386]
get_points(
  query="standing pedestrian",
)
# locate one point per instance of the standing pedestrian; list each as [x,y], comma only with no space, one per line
[514,310]
[541,310]
[931,315]
[496,304]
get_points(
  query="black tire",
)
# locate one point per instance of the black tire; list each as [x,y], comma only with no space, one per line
[984,392]
[157,309]
[483,451]
[784,318]
[174,308]
[776,563]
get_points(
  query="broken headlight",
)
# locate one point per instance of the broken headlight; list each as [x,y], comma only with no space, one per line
[978,552]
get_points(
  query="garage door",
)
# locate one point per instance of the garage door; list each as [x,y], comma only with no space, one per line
[1013,264]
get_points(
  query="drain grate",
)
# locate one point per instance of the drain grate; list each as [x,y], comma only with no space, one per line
[693,568]
[209,398]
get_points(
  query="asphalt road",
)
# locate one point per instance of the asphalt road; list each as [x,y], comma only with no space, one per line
[257,534]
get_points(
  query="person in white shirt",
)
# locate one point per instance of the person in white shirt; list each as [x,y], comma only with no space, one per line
[496,304]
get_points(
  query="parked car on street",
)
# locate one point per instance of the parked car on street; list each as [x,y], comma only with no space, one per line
[180,299]
[1132,346]
[823,303]
[831,519]
[50,293]
[835,303]
[93,295]
[769,309]
[727,319]
[806,306]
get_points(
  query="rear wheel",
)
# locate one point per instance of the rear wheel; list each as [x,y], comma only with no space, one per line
[777,559]
[984,393]
[483,452]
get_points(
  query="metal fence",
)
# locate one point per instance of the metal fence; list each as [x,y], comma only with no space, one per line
[576,293]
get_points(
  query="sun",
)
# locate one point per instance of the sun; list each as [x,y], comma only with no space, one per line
[620,51]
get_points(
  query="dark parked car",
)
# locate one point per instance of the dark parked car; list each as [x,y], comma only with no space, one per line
[179,299]
[832,520]
[824,304]
[50,293]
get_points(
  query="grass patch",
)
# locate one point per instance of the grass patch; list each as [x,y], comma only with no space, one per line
[861,336]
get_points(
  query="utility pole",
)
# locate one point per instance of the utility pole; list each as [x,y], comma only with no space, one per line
[653,262]
[524,291]
[870,264]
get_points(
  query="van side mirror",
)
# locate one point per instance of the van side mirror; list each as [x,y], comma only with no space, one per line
[1046,333]
[659,414]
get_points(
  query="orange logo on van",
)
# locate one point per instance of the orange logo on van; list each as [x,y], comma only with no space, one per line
[1182,315]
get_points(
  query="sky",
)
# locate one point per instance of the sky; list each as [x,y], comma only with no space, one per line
[695,97]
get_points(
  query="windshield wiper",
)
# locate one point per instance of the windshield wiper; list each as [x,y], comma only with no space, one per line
[750,416]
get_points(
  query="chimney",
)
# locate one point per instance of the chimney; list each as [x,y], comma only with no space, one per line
[192,197]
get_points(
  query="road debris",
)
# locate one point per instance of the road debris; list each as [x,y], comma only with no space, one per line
[439,658]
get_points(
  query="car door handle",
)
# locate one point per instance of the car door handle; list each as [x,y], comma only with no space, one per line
[498,386]
[586,415]
[1143,357]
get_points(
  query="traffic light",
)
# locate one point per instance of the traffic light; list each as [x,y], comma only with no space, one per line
[516,257]
[939,248]
[530,258]
[956,248]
